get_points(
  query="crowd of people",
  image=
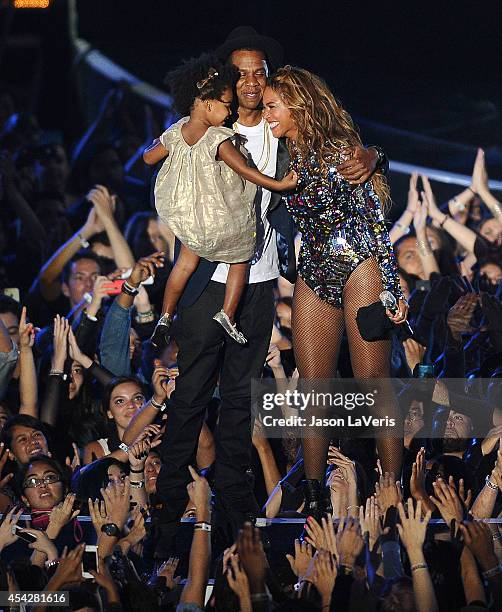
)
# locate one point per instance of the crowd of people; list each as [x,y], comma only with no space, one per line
[99,421]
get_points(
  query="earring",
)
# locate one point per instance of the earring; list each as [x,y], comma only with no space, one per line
[209,107]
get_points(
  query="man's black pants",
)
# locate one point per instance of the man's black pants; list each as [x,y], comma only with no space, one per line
[207,356]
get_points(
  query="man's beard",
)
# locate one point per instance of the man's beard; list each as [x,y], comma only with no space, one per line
[455,445]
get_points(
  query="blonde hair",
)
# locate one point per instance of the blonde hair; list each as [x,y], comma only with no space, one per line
[323,125]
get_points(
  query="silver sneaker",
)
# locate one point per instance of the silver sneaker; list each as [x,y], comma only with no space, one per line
[222,318]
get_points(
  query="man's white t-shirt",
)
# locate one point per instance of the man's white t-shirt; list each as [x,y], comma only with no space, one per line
[265,263]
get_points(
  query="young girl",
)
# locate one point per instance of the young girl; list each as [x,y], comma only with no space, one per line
[200,193]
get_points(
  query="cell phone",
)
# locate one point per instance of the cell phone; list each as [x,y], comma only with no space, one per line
[425,371]
[115,287]
[12,292]
[23,535]
[89,561]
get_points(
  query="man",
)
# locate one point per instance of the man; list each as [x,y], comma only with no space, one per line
[205,351]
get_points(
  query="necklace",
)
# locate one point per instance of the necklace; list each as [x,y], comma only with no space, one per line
[265,150]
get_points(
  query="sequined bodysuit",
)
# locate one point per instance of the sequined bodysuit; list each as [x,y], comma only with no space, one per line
[341,226]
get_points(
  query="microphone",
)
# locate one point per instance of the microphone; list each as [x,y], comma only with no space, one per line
[389,301]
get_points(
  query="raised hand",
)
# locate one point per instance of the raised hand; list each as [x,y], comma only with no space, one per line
[167,570]
[252,556]
[26,332]
[447,502]
[479,182]
[43,544]
[117,502]
[369,518]
[412,528]
[324,575]
[4,455]
[137,532]
[199,492]
[75,352]
[301,559]
[69,569]
[138,453]
[97,511]
[146,267]
[61,514]
[349,542]
[413,199]
[7,527]
[238,582]
[478,539]
[103,202]
[73,463]
[417,481]
[60,343]
[388,492]
[315,534]
[460,314]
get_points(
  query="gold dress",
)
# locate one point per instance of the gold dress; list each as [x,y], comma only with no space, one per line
[208,206]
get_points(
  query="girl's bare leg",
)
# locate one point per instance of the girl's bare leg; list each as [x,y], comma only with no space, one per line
[236,281]
[184,267]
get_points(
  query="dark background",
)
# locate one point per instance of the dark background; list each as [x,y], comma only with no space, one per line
[422,79]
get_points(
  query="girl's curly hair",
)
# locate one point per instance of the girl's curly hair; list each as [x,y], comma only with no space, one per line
[203,77]
[324,126]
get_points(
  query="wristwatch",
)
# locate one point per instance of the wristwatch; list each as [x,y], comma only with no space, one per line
[111,529]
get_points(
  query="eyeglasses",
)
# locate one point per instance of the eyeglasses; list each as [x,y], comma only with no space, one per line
[33,481]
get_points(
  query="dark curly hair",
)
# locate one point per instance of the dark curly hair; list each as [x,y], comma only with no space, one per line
[203,77]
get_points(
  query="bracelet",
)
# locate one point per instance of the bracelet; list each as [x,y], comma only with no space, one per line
[424,247]
[129,289]
[445,218]
[50,564]
[472,191]
[137,484]
[58,373]
[203,526]
[493,571]
[135,471]
[404,228]
[256,597]
[158,406]
[352,506]
[145,315]
[491,485]
[83,242]
[418,566]
[90,317]
[124,447]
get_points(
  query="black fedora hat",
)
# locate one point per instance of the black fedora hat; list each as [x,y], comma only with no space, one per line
[246,37]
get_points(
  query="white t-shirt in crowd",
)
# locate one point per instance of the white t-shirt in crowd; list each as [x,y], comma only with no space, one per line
[265,263]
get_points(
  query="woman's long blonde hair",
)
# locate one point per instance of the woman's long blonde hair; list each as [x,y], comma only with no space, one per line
[323,125]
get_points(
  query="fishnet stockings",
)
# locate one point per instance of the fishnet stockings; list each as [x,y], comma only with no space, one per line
[317,334]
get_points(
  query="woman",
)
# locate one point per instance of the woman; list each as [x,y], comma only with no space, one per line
[122,398]
[43,486]
[346,258]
